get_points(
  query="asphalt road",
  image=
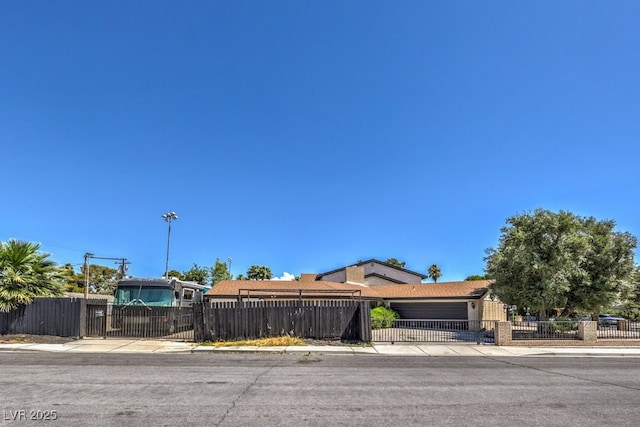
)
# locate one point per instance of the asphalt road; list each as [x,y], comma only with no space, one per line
[288,390]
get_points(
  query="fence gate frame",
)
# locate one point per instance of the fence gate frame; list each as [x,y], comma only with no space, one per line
[106,320]
[432,330]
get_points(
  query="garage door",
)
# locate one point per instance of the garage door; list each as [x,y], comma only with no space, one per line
[431,310]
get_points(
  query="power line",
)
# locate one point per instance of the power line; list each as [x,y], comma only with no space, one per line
[123,268]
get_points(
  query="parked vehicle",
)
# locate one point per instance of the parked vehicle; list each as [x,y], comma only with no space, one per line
[158,292]
[158,306]
[607,320]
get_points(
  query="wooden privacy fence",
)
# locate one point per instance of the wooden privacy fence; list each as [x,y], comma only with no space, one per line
[348,320]
[44,316]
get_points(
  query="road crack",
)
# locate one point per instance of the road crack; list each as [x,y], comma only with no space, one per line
[246,389]
[575,377]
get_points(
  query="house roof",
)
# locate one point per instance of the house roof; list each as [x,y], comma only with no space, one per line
[232,288]
[386,264]
[467,289]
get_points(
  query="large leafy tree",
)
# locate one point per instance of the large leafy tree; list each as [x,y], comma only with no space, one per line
[259,272]
[219,271]
[396,263]
[434,272]
[632,306]
[477,277]
[548,260]
[102,279]
[198,274]
[72,281]
[25,274]
[176,274]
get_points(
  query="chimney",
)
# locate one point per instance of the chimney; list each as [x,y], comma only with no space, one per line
[355,275]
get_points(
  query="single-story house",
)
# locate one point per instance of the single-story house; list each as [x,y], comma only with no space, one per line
[468,300]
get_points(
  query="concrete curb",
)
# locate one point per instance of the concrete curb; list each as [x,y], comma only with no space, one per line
[287,350]
[124,346]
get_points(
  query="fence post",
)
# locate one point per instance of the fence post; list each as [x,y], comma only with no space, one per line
[83,318]
[365,321]
[502,334]
[588,332]
[196,312]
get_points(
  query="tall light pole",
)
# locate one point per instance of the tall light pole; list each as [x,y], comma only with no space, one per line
[230,261]
[168,217]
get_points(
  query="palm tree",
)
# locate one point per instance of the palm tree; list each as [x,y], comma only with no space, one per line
[434,272]
[25,274]
[259,272]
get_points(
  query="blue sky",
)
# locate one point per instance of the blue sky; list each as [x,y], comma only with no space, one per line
[309,135]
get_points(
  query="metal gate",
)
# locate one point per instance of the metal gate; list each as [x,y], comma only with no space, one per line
[427,330]
[108,320]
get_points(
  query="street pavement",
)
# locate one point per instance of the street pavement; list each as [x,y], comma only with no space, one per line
[260,389]
[99,345]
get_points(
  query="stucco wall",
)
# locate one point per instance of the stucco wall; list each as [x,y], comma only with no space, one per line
[383,270]
[493,310]
[375,280]
[338,277]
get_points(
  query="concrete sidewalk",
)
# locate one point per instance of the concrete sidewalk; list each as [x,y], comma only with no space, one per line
[98,345]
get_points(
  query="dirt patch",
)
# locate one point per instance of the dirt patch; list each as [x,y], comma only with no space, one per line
[33,339]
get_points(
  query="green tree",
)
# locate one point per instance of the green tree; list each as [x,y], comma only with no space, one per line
[477,277]
[396,263]
[102,280]
[72,281]
[219,272]
[434,272]
[198,274]
[176,274]
[25,274]
[631,308]
[259,272]
[548,260]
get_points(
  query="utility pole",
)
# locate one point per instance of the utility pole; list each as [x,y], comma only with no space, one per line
[123,267]
[87,255]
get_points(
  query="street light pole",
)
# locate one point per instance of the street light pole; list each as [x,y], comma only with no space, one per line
[168,217]
[230,261]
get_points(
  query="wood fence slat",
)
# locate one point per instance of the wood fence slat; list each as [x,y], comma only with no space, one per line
[319,319]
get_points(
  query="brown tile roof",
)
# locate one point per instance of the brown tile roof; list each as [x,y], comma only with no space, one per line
[468,289]
[230,289]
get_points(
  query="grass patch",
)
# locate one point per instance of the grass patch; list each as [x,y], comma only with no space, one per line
[261,342]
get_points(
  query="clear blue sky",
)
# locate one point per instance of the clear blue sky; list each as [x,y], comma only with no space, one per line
[309,135]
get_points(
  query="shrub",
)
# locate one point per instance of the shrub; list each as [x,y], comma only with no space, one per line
[382,317]
[565,324]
